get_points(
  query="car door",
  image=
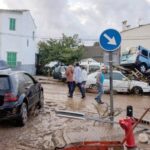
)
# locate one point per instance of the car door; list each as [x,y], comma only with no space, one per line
[120,82]
[32,89]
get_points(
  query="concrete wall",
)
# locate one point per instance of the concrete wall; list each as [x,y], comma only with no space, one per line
[135,37]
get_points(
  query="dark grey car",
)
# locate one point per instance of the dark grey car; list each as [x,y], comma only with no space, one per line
[19,92]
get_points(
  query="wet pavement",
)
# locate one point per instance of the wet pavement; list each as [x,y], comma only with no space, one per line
[46,131]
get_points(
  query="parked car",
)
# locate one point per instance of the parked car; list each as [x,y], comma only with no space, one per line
[90,67]
[138,57]
[120,83]
[4,67]
[19,92]
[59,73]
[49,68]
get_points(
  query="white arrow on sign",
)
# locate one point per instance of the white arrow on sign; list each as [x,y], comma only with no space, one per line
[111,41]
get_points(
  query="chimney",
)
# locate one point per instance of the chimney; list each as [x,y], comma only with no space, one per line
[124,25]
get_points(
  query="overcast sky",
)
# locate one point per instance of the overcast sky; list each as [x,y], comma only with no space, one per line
[88,18]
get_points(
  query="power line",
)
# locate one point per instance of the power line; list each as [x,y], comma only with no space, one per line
[82,39]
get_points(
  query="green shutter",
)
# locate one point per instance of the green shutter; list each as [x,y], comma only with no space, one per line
[12,24]
[11,59]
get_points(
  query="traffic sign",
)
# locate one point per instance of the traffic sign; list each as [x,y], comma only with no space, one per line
[110,40]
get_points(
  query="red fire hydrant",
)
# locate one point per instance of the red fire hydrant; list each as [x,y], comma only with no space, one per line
[127,124]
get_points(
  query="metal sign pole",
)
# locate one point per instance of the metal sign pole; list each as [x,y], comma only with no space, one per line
[110,41]
[111,87]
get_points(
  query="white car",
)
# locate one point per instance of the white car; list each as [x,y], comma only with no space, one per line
[90,67]
[120,83]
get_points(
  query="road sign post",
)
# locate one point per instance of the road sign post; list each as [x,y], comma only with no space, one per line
[110,41]
[111,88]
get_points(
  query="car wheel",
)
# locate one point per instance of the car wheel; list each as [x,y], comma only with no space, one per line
[142,68]
[41,102]
[23,115]
[137,90]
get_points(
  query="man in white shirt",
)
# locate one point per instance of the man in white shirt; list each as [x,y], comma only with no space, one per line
[78,79]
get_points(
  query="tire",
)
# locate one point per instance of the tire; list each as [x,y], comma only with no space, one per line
[137,90]
[142,68]
[41,102]
[22,119]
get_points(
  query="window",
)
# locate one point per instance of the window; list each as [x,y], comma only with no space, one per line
[4,84]
[93,68]
[63,69]
[57,69]
[145,53]
[84,66]
[28,79]
[117,76]
[11,59]
[107,76]
[12,24]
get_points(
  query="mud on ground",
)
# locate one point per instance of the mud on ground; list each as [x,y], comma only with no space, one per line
[46,131]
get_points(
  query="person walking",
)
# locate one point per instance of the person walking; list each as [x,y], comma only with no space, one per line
[78,79]
[84,78]
[99,82]
[70,81]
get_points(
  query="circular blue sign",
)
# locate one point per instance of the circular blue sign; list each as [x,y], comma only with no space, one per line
[110,40]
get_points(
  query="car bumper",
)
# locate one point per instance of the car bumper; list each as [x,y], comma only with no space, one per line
[9,113]
[130,65]
[146,90]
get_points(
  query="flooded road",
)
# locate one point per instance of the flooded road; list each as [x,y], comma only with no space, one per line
[46,131]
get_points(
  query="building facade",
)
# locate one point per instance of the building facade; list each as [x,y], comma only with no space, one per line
[136,36]
[98,54]
[94,52]
[17,40]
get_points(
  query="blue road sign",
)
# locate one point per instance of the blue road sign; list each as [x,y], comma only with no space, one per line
[110,40]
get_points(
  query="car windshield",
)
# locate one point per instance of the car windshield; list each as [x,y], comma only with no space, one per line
[129,55]
[93,68]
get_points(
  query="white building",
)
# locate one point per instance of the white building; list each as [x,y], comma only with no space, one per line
[17,39]
[133,37]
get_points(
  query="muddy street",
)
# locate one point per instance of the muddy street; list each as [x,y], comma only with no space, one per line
[46,131]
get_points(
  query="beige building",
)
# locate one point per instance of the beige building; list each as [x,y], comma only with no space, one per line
[133,37]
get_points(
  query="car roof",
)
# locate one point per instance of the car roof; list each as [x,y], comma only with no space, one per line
[12,72]
[114,71]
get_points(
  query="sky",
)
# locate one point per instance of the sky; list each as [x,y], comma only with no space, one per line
[87,18]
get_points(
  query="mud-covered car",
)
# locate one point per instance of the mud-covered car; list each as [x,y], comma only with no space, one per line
[19,92]
[138,57]
[120,83]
